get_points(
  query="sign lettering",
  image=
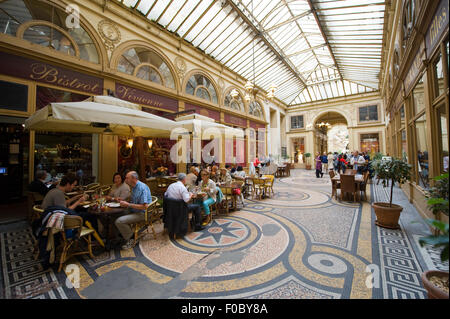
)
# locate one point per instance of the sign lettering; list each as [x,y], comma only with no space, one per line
[437,27]
[145,98]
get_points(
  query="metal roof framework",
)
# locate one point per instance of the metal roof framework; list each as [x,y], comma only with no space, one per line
[311,49]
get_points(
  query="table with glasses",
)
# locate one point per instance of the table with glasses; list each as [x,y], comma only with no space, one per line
[106,214]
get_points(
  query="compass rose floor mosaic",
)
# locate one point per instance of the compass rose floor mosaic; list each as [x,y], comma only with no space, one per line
[301,243]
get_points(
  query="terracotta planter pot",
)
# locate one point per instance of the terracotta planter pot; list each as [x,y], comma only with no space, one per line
[387,217]
[308,166]
[433,291]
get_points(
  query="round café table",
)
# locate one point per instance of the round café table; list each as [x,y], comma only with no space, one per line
[106,218]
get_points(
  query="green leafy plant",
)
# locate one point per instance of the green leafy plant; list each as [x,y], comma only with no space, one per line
[438,195]
[394,170]
[437,241]
[307,155]
[377,156]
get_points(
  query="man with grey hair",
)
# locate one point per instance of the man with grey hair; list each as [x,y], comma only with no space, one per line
[179,191]
[141,197]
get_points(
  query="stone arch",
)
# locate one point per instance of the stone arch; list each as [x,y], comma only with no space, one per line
[125,46]
[344,114]
[214,84]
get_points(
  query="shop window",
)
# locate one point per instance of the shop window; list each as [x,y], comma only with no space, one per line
[14,96]
[422,151]
[438,77]
[49,37]
[255,109]
[297,122]
[299,150]
[147,65]
[370,143]
[45,96]
[418,97]
[368,113]
[404,145]
[235,103]
[443,137]
[200,86]
[13,13]
[59,155]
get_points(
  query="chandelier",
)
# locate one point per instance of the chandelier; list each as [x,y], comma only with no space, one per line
[324,125]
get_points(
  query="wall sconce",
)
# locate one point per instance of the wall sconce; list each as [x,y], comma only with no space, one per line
[130,142]
[150,143]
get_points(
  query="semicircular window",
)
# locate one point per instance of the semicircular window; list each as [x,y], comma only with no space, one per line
[14,13]
[200,86]
[235,103]
[255,109]
[146,64]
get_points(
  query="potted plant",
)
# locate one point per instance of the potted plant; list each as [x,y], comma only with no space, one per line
[436,281]
[394,170]
[308,164]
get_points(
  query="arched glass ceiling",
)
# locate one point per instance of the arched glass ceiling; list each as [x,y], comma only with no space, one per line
[311,49]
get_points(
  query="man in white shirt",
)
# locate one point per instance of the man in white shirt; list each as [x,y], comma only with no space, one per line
[179,191]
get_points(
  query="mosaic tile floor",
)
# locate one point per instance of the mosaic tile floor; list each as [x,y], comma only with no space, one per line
[299,244]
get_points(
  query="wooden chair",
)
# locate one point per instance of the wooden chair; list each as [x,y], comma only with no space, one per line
[248,187]
[350,171]
[363,185]
[348,185]
[241,184]
[268,185]
[258,187]
[152,214]
[335,185]
[74,223]
[227,199]
[288,169]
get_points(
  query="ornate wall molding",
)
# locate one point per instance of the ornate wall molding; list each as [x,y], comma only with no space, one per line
[110,33]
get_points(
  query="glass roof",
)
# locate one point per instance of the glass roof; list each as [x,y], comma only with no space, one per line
[311,49]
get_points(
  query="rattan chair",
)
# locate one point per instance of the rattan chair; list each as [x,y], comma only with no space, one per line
[152,214]
[104,190]
[92,186]
[258,187]
[224,205]
[268,185]
[335,185]
[348,185]
[363,185]
[33,199]
[37,212]
[74,223]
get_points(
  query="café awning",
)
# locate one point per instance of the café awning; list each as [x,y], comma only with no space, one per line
[101,115]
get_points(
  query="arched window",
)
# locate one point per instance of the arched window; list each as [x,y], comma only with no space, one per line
[147,65]
[200,86]
[409,20]
[49,29]
[255,109]
[234,102]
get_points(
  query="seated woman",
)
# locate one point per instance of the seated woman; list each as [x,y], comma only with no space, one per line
[224,176]
[120,190]
[209,187]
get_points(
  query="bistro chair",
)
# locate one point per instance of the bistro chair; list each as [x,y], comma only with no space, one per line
[363,185]
[152,214]
[91,186]
[348,185]
[104,190]
[37,213]
[241,185]
[33,198]
[268,185]
[288,170]
[227,192]
[335,185]
[258,187]
[248,187]
[74,224]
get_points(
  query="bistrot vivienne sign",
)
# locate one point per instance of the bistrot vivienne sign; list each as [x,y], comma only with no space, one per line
[137,96]
[34,70]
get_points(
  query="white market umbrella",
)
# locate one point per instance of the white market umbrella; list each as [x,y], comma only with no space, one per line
[99,114]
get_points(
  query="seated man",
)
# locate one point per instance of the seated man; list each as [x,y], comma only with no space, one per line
[39,185]
[56,197]
[191,178]
[179,191]
[140,199]
[225,176]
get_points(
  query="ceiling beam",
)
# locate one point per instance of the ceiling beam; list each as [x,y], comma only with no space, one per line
[304,14]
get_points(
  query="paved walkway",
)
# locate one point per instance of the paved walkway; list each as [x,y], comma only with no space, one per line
[299,244]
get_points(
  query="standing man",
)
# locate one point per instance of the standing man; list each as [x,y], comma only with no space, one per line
[179,191]
[324,163]
[140,199]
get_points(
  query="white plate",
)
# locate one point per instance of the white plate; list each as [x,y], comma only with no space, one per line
[113,205]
